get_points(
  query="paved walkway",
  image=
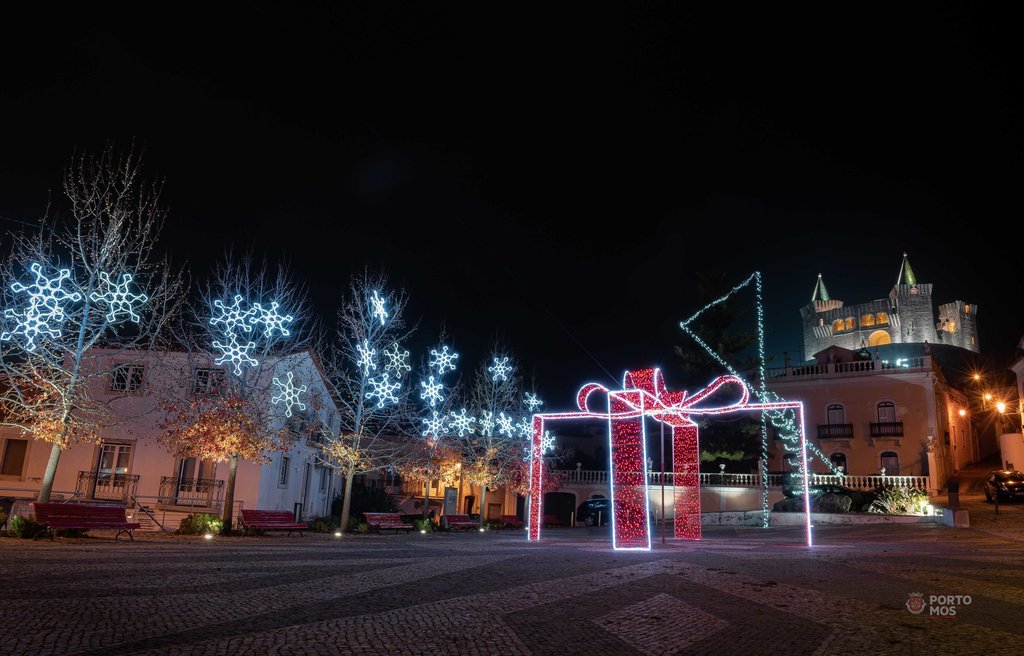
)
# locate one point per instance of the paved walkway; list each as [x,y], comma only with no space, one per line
[743,591]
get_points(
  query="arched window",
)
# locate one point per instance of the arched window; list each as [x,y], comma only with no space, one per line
[886,412]
[967,309]
[839,460]
[837,325]
[881,317]
[849,323]
[890,462]
[867,319]
[836,414]
[878,338]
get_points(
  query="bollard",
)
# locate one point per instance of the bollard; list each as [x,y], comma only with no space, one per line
[954,493]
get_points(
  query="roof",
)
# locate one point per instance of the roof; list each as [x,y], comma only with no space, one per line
[819,293]
[906,276]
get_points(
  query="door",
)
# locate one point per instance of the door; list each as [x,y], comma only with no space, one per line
[891,463]
[112,472]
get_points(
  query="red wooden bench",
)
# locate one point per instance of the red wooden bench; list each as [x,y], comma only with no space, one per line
[511,521]
[56,516]
[552,520]
[463,522]
[270,520]
[379,521]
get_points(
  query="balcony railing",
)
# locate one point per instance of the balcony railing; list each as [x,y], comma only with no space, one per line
[835,431]
[192,492]
[887,429]
[106,486]
[572,477]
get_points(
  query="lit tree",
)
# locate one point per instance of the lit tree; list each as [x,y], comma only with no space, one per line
[248,319]
[83,297]
[367,371]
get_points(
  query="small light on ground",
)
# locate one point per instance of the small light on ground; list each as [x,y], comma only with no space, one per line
[423,530]
[481,530]
[208,536]
[337,534]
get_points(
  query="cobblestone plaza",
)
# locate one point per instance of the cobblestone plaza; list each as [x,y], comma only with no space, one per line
[739,591]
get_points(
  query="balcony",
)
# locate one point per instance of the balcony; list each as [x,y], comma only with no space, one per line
[835,431]
[103,486]
[887,429]
[205,493]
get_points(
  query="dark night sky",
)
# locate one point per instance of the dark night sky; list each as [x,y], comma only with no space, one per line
[554,177]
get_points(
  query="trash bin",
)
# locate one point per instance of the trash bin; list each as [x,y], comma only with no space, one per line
[954,493]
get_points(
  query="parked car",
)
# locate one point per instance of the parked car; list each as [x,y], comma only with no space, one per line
[589,511]
[1005,484]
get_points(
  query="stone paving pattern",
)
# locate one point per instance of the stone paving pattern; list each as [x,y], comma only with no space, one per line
[743,591]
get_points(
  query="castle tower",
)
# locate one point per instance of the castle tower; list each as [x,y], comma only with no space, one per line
[912,307]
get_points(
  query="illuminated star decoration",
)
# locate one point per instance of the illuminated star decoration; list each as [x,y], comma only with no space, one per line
[398,359]
[486,422]
[383,390]
[231,316]
[378,307]
[462,423]
[434,425]
[270,318]
[500,369]
[366,355]
[505,426]
[431,392]
[289,394]
[118,298]
[236,353]
[532,402]
[45,298]
[443,360]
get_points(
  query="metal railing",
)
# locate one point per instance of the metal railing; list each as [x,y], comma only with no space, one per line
[106,487]
[193,492]
[887,429]
[835,431]
[708,479]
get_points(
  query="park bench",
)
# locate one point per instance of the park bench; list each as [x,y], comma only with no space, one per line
[460,522]
[57,516]
[511,521]
[381,521]
[270,520]
[552,520]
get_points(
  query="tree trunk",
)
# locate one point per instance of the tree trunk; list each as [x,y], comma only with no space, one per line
[346,501]
[46,486]
[229,495]
[426,487]
[483,503]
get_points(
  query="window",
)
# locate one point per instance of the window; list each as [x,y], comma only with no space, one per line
[282,476]
[839,460]
[14,457]
[837,325]
[881,318]
[836,414]
[886,412]
[325,477]
[207,381]
[891,463]
[127,378]
[849,323]
[867,319]
[967,309]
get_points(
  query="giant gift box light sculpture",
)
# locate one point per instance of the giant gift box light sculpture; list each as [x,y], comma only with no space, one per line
[644,395]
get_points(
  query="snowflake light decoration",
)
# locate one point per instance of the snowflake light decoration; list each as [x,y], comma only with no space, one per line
[486,422]
[532,402]
[500,369]
[378,307]
[549,442]
[383,390]
[431,391]
[505,426]
[231,316]
[118,299]
[289,394]
[462,423]
[434,426]
[45,298]
[236,353]
[525,427]
[366,356]
[443,360]
[270,318]
[398,359]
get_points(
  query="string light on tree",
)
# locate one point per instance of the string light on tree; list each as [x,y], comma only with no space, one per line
[46,297]
[236,353]
[434,425]
[118,299]
[366,356]
[500,369]
[270,318]
[443,360]
[383,390]
[378,307]
[532,402]
[461,422]
[289,394]
[486,422]
[431,391]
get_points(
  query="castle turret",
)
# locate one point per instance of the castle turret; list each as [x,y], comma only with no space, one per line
[912,305]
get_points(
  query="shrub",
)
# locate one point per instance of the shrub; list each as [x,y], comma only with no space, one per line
[362,528]
[424,525]
[25,527]
[200,524]
[324,525]
[899,501]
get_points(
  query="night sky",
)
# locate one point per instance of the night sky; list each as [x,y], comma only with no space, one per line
[554,178]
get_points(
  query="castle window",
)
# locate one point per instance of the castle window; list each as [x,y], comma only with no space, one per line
[837,325]
[881,317]
[867,319]
[849,323]
[950,326]
[967,309]
[878,338]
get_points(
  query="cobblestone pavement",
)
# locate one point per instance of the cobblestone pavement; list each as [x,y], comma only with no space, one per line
[744,591]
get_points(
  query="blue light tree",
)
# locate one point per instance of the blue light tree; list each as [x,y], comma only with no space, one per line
[84,296]
[367,369]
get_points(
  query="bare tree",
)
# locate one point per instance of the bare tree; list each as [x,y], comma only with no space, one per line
[247,317]
[367,371]
[83,295]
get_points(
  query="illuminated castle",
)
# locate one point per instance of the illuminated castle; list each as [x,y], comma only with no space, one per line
[905,316]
